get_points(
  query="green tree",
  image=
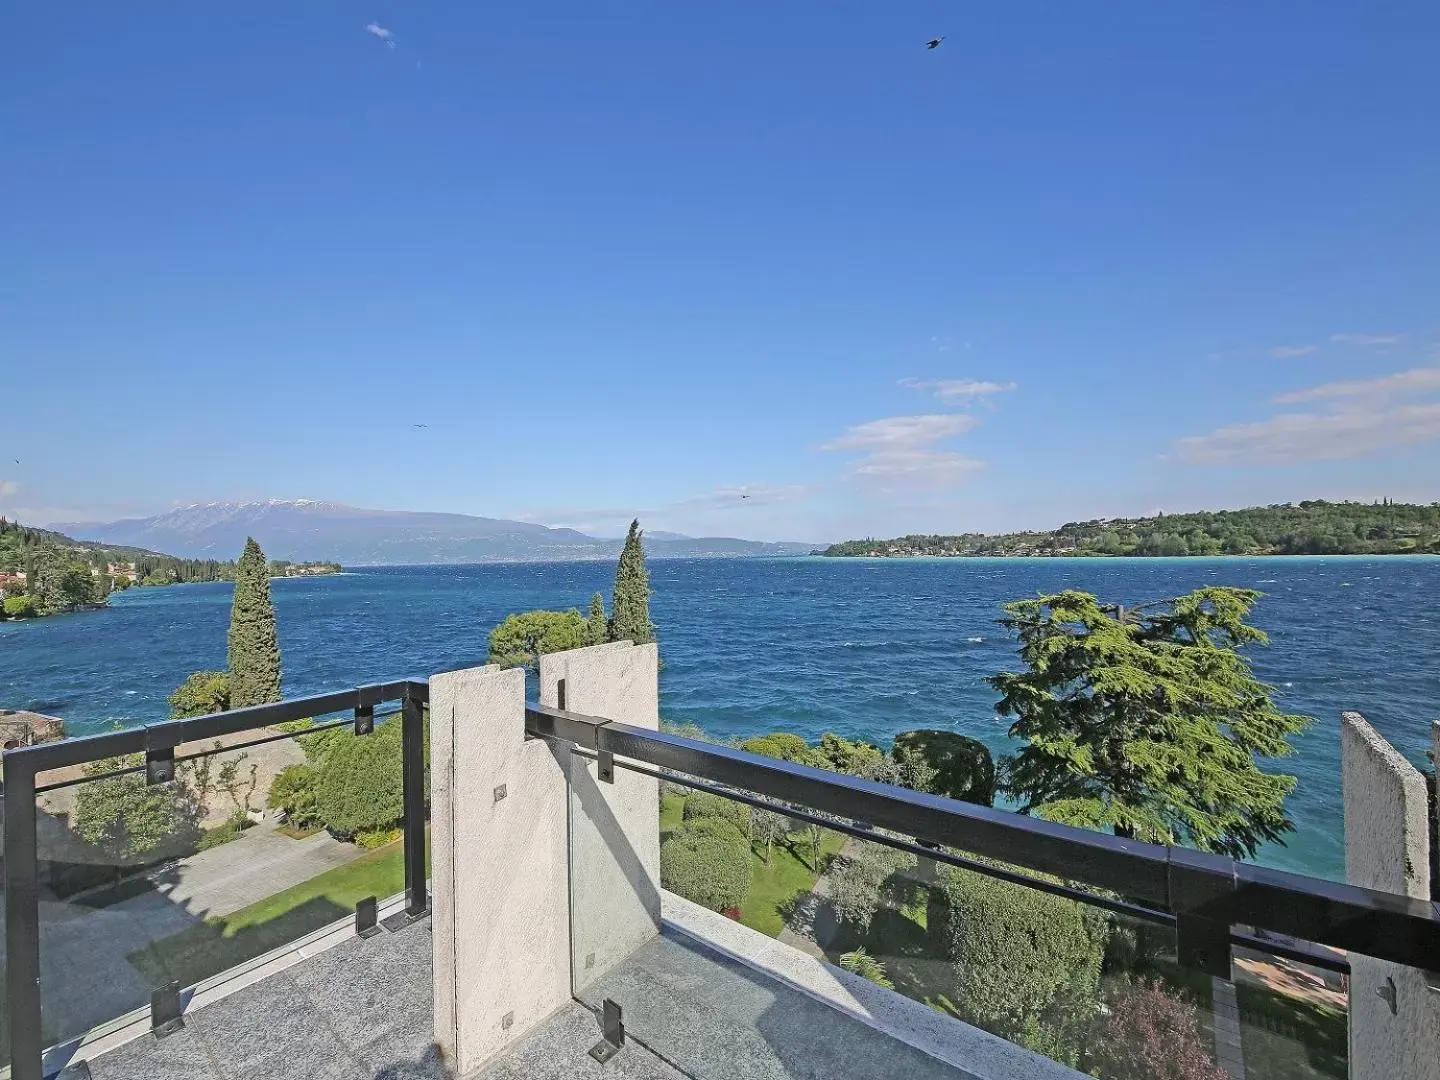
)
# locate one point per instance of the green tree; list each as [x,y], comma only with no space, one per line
[778,744]
[254,653]
[1148,722]
[294,791]
[77,585]
[709,866]
[360,784]
[857,881]
[597,627]
[947,764]
[21,607]
[1026,963]
[132,821]
[702,804]
[203,693]
[630,605]
[522,639]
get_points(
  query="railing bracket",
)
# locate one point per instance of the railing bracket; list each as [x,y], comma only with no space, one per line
[612,1032]
[364,719]
[166,1015]
[160,766]
[607,766]
[366,917]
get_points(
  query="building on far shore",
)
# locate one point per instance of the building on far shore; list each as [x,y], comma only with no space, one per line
[20,728]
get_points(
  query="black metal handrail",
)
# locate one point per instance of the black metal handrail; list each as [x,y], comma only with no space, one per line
[1205,895]
[157,742]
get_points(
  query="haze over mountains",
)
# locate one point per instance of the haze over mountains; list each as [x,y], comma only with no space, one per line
[307,529]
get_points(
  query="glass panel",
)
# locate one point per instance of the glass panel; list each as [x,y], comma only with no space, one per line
[764,913]
[249,849]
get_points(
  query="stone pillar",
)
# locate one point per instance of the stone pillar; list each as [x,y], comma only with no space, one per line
[1394,1010]
[614,827]
[501,917]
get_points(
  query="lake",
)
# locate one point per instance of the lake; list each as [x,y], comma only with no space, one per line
[865,648]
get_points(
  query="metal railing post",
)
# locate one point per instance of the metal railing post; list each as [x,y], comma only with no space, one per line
[22,923]
[417,899]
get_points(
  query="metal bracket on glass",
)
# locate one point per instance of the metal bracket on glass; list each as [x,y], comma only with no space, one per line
[366,917]
[607,766]
[1200,898]
[166,1016]
[612,1033]
[160,765]
[364,719]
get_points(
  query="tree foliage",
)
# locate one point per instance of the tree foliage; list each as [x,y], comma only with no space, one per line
[857,881]
[702,804]
[630,604]
[254,647]
[597,626]
[1149,1034]
[709,866]
[1148,722]
[1313,527]
[523,638]
[948,764]
[203,693]
[359,784]
[1026,963]
[131,821]
[294,790]
[866,966]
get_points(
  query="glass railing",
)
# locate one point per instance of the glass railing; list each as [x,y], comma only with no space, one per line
[786,940]
[156,875]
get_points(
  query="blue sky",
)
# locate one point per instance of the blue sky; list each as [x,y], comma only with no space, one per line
[1083,259]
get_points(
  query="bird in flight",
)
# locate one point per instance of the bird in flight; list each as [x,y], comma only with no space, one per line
[934,43]
[420,425]
[744,496]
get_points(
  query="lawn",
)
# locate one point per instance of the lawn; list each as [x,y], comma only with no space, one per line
[211,947]
[774,888]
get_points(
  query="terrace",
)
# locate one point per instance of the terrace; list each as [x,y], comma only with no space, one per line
[544,938]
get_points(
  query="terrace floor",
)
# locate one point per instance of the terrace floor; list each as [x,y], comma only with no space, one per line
[362,1010]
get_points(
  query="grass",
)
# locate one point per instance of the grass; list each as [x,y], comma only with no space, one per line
[211,947]
[774,889]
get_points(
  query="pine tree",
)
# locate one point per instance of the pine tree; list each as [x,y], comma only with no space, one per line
[630,605]
[254,654]
[597,627]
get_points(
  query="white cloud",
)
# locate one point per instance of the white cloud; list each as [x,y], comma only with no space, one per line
[897,432]
[1369,341]
[380,32]
[1287,352]
[939,467]
[1360,417]
[1418,380]
[958,390]
[8,488]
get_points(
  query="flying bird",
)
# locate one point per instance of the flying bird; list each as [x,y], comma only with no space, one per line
[387,36]
[744,496]
[934,43]
[420,425]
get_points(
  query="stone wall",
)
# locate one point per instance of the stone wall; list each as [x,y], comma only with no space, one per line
[1394,1010]
[19,728]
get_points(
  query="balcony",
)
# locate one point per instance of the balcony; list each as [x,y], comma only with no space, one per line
[548,938]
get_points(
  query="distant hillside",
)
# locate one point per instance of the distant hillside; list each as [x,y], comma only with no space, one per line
[1307,528]
[21,544]
[307,529]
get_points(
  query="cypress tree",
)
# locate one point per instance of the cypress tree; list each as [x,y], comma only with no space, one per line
[630,606]
[254,654]
[597,627]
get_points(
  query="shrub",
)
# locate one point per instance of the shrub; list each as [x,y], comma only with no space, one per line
[1152,1035]
[21,607]
[133,822]
[701,804]
[778,744]
[294,791]
[709,865]
[359,786]
[202,693]
[961,768]
[370,839]
[1026,963]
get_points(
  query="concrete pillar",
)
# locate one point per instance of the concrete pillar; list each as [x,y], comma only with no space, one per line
[1394,1010]
[501,919]
[614,827]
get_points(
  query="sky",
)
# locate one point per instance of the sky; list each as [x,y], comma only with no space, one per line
[1084,259]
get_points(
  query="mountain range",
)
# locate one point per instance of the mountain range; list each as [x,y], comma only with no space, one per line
[308,529]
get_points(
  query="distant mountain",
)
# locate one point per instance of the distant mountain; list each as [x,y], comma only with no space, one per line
[305,529]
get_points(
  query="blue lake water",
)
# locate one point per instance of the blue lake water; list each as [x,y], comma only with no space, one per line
[862,647]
